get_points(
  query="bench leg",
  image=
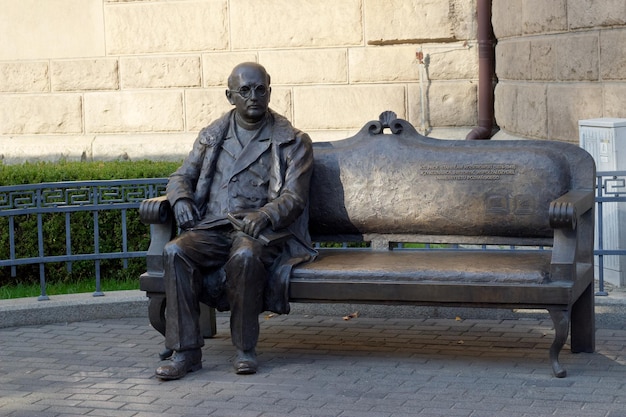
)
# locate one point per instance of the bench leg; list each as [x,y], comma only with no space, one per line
[208,327]
[560,318]
[584,323]
[156,311]
[156,314]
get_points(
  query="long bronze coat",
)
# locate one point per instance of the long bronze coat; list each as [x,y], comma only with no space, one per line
[287,201]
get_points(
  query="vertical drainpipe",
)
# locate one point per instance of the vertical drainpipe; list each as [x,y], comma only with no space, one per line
[486,72]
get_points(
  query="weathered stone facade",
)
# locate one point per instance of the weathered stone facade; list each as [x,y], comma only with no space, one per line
[102,79]
[111,75]
[557,62]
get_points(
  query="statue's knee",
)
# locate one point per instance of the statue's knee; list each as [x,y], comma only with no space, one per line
[243,254]
[171,249]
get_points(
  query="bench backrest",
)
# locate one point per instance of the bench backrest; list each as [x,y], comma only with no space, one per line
[404,183]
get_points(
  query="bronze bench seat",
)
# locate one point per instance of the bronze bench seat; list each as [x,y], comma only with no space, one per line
[388,186]
[516,278]
[503,267]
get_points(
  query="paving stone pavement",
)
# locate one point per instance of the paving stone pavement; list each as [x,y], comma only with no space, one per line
[315,365]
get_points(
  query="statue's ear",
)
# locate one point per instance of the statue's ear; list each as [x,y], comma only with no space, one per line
[229,96]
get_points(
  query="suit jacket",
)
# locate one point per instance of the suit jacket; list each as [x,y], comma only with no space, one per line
[288,192]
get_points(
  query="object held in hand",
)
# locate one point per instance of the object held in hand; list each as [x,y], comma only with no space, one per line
[268,236]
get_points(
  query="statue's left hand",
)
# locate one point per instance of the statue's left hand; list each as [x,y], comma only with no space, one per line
[254,222]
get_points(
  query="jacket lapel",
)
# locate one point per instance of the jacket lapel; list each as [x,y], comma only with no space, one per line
[253,150]
[278,132]
[283,133]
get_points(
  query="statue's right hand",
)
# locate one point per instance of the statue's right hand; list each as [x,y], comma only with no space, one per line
[186,214]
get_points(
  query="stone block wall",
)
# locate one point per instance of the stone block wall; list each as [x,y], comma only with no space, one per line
[103,79]
[557,62]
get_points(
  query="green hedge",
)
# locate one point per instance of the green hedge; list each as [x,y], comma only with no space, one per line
[82,224]
[33,173]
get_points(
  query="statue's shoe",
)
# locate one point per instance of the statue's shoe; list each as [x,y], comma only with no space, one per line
[245,363]
[181,363]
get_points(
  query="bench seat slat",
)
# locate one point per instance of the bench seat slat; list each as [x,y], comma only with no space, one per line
[431,293]
[507,267]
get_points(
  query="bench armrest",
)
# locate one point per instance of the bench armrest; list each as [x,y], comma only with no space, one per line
[565,210]
[157,212]
[572,217]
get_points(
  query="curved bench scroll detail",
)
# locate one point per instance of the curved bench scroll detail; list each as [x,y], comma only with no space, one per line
[155,210]
[563,215]
[389,120]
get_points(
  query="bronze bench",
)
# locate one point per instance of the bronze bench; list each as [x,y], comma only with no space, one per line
[391,187]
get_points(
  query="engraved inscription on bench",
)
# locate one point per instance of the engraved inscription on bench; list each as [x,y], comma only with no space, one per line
[468,172]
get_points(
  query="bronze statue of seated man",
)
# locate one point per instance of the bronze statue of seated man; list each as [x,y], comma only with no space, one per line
[247,176]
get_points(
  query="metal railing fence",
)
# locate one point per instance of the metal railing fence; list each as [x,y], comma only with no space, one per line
[610,196]
[69,198]
[122,195]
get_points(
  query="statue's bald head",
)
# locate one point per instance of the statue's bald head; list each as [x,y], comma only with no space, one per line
[249,91]
[235,74]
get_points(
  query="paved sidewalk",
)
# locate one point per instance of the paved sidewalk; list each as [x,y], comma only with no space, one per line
[316,365]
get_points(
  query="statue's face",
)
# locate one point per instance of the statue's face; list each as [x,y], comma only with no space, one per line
[249,92]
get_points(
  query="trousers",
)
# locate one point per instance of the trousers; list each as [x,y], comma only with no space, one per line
[193,254]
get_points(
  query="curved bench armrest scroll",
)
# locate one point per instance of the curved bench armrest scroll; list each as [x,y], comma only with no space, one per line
[156,210]
[565,210]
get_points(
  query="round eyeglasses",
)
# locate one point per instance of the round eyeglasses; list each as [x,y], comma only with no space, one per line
[246,91]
